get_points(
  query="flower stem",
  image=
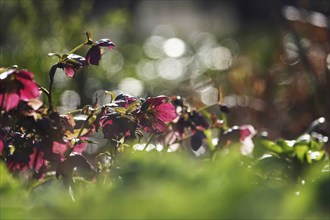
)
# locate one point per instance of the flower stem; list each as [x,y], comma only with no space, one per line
[77,48]
[43,89]
[84,125]
[51,82]
[149,141]
[74,111]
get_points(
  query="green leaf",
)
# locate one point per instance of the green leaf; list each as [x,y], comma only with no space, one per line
[285,145]
[300,150]
[121,110]
[133,106]
[209,138]
[270,145]
[316,145]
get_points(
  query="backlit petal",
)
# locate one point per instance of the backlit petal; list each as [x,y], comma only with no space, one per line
[9,101]
[69,71]
[165,112]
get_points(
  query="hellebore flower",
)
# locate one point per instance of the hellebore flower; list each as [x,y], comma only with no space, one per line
[153,114]
[197,123]
[16,86]
[93,55]
[124,100]
[72,63]
[242,134]
[116,126]
[246,134]
[191,120]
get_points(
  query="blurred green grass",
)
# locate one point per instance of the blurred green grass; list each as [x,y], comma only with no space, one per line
[172,186]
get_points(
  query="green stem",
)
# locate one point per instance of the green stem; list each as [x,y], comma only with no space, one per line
[88,41]
[74,111]
[149,141]
[43,89]
[77,47]
[84,125]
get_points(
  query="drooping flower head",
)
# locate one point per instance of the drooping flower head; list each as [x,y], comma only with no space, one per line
[154,113]
[93,55]
[16,85]
[72,63]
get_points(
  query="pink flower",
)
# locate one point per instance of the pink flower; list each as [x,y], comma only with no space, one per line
[16,86]
[154,113]
[242,134]
[72,63]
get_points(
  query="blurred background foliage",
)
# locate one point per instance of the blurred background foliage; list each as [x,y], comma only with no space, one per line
[271,59]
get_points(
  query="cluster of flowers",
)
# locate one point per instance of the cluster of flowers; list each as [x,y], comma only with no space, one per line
[35,138]
[32,137]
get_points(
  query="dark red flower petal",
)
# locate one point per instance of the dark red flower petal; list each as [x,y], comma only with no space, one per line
[1,147]
[153,125]
[59,148]
[36,160]
[115,126]
[165,112]
[30,89]
[154,112]
[153,101]
[93,55]
[15,86]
